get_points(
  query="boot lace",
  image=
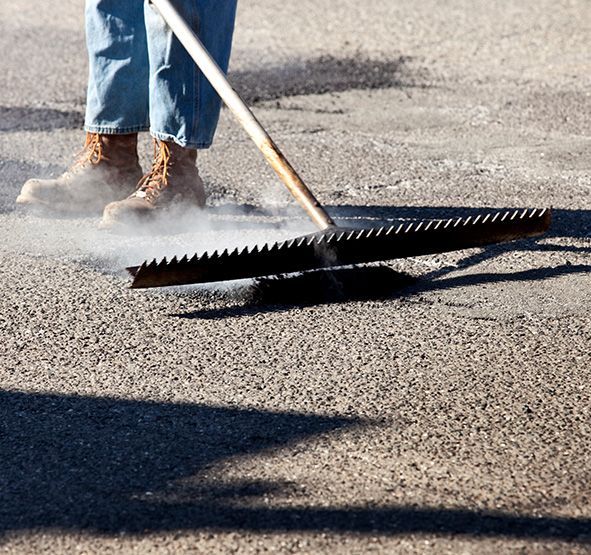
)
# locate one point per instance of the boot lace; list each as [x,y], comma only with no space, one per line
[91,153]
[156,180]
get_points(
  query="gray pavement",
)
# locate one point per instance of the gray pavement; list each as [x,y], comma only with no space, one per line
[433,405]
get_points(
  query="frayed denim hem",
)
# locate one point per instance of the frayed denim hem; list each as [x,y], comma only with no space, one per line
[107,130]
[181,142]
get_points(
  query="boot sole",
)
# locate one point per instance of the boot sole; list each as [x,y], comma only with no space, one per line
[148,223]
[26,200]
[29,202]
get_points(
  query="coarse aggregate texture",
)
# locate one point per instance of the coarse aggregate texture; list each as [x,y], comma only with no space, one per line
[433,405]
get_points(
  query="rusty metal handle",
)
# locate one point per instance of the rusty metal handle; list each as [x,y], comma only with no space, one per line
[247,119]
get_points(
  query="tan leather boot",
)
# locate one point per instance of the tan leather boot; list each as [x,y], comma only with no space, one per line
[106,169]
[173,183]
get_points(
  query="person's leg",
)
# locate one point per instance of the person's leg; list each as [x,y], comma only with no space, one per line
[184,110]
[117,108]
[118,82]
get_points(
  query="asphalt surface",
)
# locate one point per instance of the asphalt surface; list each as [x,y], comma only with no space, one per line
[433,405]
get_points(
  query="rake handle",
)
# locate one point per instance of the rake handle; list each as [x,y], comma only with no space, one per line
[244,115]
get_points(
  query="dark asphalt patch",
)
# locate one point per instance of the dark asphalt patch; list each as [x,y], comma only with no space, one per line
[26,118]
[326,74]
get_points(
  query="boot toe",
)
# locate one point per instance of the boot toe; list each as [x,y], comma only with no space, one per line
[47,194]
[124,213]
[33,192]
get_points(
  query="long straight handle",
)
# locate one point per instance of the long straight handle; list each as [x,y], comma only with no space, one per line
[238,107]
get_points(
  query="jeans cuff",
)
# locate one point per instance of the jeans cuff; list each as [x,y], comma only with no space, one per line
[114,130]
[201,145]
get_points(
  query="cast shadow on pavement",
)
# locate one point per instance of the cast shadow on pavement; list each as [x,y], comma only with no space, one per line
[324,74]
[381,282]
[110,466]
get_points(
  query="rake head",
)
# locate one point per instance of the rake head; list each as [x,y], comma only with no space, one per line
[343,246]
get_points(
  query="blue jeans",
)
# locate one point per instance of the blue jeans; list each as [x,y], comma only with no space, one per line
[140,76]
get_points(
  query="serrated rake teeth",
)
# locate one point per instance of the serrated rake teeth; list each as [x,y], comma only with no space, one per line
[342,246]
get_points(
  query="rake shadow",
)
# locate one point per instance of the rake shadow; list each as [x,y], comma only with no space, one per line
[364,283]
[339,285]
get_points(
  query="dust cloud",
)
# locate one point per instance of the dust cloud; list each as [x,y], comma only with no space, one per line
[172,233]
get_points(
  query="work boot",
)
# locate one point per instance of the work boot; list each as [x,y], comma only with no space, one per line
[106,169]
[172,184]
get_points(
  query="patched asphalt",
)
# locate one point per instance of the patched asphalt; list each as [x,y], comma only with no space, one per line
[432,405]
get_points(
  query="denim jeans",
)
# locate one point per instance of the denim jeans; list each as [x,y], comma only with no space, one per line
[141,78]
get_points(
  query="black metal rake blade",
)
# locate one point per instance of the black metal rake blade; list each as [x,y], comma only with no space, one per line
[343,246]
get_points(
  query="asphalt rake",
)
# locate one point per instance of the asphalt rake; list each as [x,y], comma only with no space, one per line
[333,245]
